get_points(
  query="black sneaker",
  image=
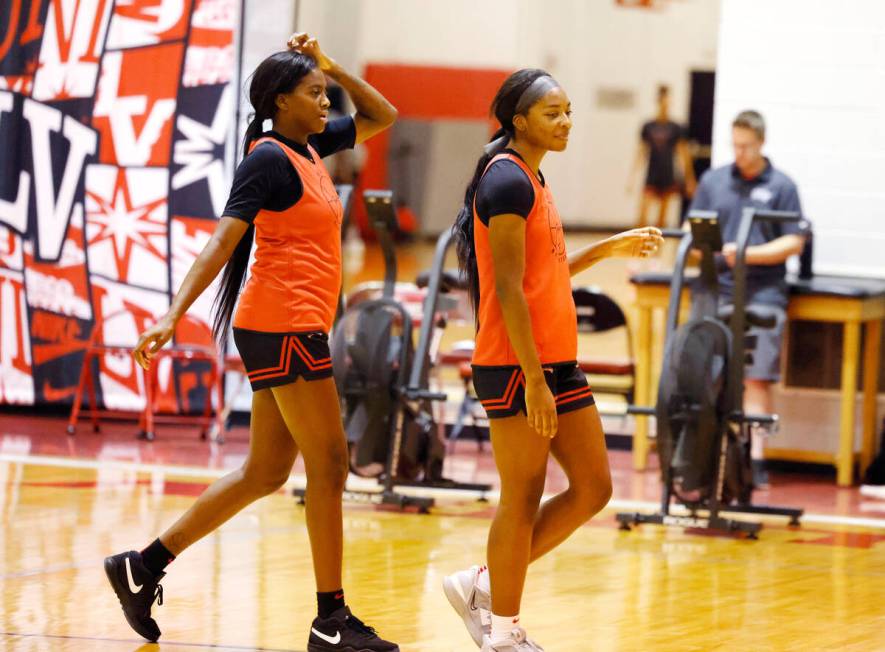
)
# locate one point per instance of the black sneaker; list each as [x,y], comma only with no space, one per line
[137,588]
[344,632]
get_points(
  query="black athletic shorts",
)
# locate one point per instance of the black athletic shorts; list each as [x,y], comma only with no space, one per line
[501,390]
[273,359]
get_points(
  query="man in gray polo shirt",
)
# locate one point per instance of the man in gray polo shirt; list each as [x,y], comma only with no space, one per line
[752,181]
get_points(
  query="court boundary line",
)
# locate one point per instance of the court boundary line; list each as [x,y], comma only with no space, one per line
[210,646]
[356,483]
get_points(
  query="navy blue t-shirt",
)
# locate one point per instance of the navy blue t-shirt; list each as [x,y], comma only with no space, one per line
[505,189]
[725,191]
[266,179]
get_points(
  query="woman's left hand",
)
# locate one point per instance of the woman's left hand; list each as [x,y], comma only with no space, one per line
[636,243]
[305,44]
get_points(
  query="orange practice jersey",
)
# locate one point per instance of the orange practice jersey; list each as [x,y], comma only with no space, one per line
[296,276]
[546,284]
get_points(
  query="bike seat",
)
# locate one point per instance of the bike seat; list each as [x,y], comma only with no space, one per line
[756,315]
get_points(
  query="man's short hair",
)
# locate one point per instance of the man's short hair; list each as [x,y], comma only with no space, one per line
[751,120]
[663,91]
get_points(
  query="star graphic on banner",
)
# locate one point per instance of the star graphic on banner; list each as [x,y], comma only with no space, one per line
[65,92]
[198,152]
[124,224]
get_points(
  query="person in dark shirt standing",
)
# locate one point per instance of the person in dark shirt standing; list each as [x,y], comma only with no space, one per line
[752,181]
[283,197]
[661,142]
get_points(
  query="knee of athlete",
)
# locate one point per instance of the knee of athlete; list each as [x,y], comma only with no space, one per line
[593,494]
[331,473]
[525,497]
[275,480]
[264,481]
[603,491]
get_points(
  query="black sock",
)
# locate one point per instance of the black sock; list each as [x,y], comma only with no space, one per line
[156,557]
[330,602]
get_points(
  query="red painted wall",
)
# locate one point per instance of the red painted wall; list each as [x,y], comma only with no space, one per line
[424,93]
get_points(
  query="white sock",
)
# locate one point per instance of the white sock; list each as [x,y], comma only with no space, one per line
[502,626]
[483,580]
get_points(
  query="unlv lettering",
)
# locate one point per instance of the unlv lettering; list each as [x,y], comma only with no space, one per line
[71,49]
[31,32]
[15,213]
[147,22]
[133,111]
[54,211]
[16,382]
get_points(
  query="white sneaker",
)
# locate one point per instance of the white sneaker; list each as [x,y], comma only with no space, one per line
[472,603]
[517,642]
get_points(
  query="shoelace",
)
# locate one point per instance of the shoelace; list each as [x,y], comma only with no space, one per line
[358,625]
[158,595]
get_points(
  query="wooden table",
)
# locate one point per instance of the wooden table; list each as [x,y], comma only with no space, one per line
[852,302]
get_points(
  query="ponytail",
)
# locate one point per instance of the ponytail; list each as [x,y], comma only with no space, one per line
[234,273]
[253,132]
[231,283]
[463,227]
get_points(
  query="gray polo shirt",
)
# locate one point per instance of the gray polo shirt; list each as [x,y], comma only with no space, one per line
[725,191]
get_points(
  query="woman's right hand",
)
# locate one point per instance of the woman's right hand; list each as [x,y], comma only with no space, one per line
[540,407]
[152,340]
[305,44]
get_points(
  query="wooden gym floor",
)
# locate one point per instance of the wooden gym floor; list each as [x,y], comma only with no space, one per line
[249,586]
[66,503]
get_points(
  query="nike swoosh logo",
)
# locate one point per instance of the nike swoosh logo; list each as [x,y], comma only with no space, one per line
[135,588]
[54,395]
[334,640]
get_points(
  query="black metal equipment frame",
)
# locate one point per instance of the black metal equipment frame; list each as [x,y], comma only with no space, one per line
[708,516]
[417,388]
[410,388]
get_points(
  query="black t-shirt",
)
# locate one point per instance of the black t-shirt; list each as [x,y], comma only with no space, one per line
[505,189]
[662,138]
[266,179]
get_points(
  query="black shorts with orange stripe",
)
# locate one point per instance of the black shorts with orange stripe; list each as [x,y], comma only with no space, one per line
[501,389]
[273,359]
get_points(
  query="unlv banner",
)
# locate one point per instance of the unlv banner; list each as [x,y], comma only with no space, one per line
[115,151]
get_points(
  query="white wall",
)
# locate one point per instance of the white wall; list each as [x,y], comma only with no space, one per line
[268,24]
[816,70]
[585,44]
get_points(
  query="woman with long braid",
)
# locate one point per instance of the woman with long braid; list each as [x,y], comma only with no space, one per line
[283,197]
